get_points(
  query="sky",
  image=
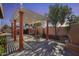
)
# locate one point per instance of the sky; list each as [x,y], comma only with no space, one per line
[40,8]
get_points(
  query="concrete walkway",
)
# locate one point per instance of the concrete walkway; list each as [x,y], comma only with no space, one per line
[11,46]
[40,48]
[36,48]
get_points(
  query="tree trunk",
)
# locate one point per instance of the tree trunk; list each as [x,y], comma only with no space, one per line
[55,31]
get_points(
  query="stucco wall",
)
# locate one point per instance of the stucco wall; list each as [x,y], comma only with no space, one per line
[74,34]
[60,31]
[73,45]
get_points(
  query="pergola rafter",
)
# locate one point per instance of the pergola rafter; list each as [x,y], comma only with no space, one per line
[33,17]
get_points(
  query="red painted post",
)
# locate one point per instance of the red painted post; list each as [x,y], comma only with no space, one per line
[14,30]
[47,30]
[21,45]
[29,29]
[28,26]
[36,32]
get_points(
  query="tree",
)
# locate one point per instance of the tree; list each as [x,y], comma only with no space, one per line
[58,13]
[71,20]
[64,13]
[54,15]
[76,20]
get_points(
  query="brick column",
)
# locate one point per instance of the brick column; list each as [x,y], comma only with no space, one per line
[14,30]
[21,45]
[47,30]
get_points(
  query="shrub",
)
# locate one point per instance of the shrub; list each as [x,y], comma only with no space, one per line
[2,43]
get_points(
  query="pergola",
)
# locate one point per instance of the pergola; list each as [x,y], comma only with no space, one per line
[29,17]
[25,16]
